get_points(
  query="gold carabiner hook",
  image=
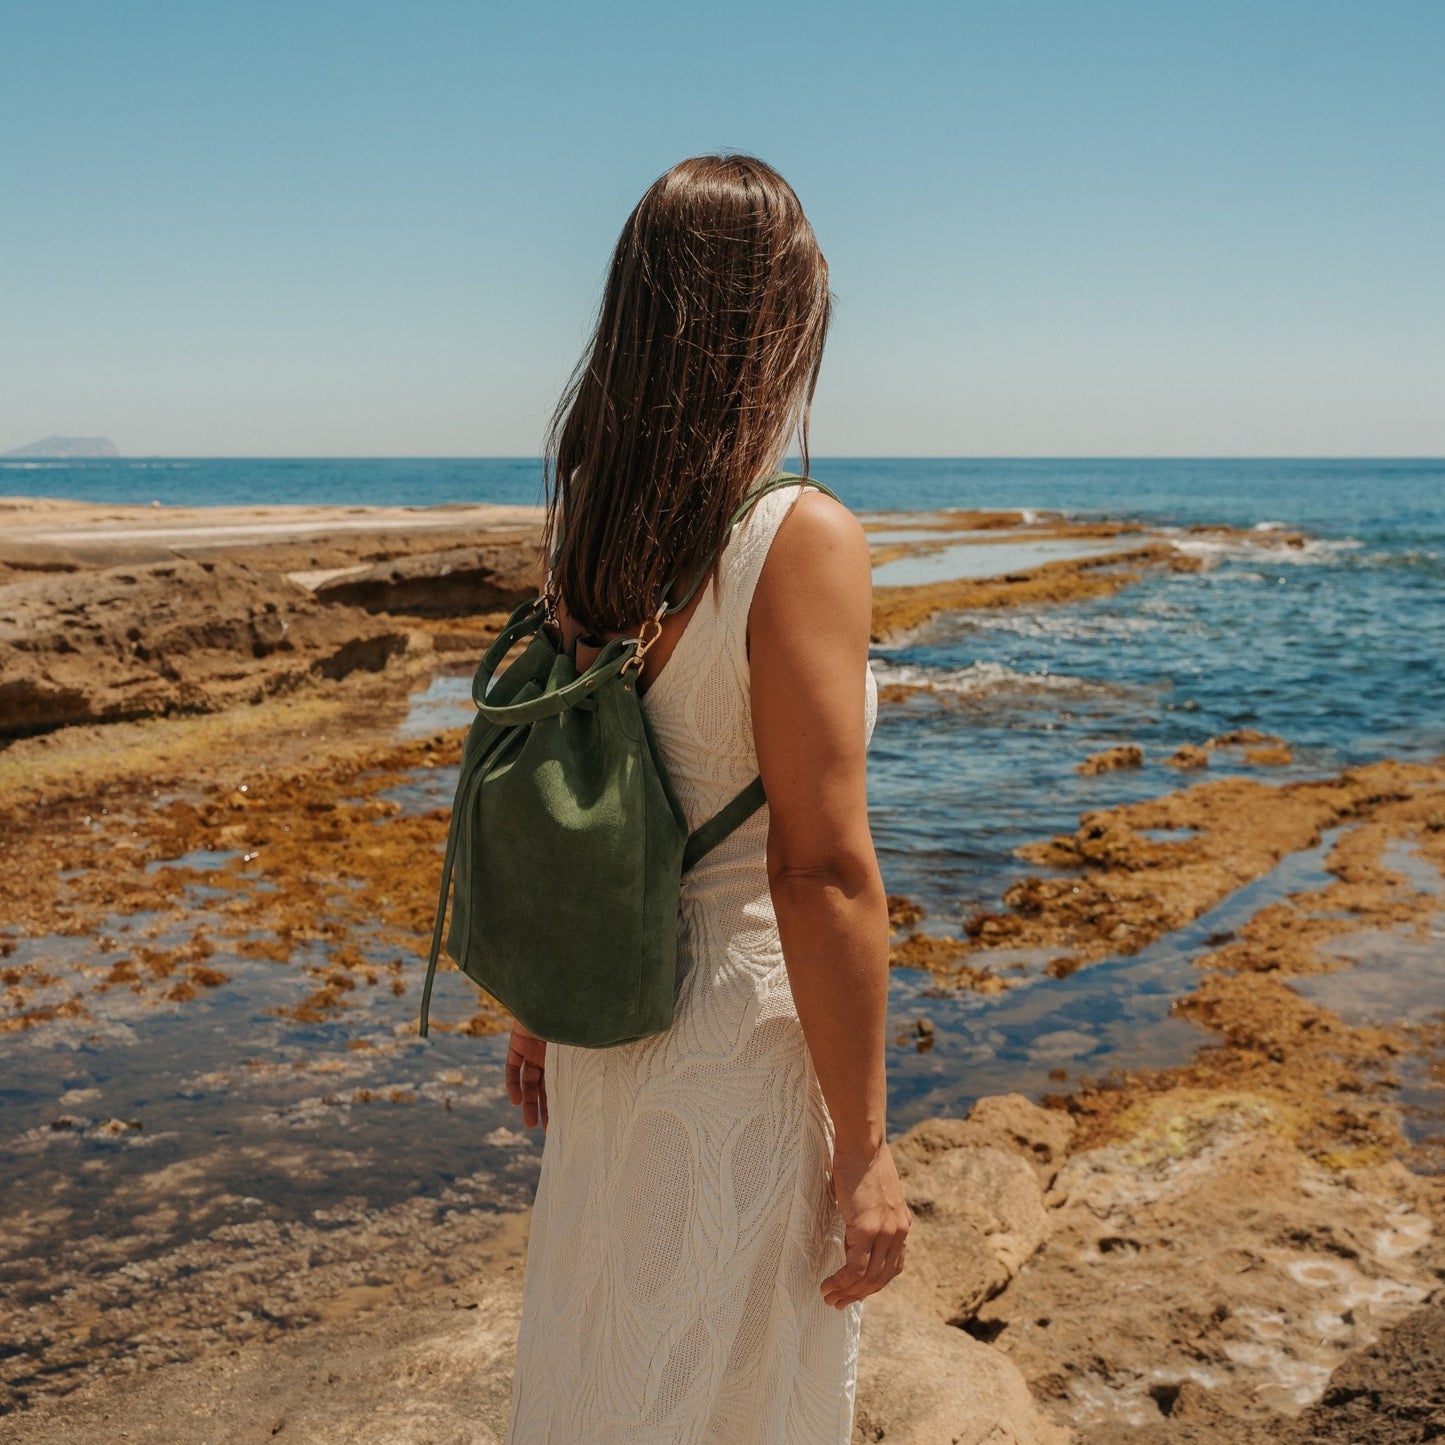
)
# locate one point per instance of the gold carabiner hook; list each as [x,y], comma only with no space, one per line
[646,639]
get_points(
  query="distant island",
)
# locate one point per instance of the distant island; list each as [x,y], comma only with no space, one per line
[64,447]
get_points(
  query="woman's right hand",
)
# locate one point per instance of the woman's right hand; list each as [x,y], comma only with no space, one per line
[876,1220]
[526,1076]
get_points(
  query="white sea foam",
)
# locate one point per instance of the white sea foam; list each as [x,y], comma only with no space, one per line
[980,679]
[1060,625]
[1311,551]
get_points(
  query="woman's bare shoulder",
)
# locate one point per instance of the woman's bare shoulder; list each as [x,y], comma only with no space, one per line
[818,569]
[817,535]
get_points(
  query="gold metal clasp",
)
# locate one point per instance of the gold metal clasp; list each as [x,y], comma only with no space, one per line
[645,639]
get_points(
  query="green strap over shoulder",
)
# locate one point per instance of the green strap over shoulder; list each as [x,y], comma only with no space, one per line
[708,835]
[778,479]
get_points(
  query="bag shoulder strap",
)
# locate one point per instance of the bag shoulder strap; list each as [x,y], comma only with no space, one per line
[729,817]
[754,494]
[736,812]
[759,489]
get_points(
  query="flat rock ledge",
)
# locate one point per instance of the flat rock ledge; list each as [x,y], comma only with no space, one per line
[179,636]
[456,582]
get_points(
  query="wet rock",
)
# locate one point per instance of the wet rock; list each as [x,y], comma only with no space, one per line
[1189,756]
[944,956]
[918,1035]
[457,582]
[898,609]
[1273,755]
[903,912]
[170,637]
[1130,755]
[1242,737]
[1126,887]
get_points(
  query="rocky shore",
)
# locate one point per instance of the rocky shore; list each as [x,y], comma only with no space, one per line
[1201,1281]
[1245,1246]
[125,612]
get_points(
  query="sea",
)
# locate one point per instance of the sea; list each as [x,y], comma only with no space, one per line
[1337,646]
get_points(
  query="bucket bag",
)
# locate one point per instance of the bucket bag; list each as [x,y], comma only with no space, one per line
[567,844]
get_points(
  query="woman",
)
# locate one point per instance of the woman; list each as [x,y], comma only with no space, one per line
[716,1201]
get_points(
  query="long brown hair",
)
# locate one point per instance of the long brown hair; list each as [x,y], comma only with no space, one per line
[700,371]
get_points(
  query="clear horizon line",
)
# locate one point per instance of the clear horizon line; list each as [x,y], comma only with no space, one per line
[834,457]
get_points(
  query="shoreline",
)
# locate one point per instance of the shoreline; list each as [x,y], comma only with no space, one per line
[1287,1105]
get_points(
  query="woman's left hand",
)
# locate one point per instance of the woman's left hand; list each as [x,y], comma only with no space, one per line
[526,1075]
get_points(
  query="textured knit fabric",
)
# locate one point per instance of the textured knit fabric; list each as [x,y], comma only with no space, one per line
[683,1220]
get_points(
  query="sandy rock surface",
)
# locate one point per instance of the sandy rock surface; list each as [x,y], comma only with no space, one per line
[47,534]
[1390,1394]
[121,612]
[168,637]
[1205,1277]
[975,1187]
[921,1382]
[437,1373]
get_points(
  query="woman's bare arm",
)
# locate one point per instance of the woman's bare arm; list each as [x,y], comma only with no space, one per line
[808,631]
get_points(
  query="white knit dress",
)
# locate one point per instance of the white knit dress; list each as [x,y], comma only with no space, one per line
[684,1220]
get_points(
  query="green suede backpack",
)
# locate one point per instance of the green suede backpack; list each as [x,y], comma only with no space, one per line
[567,843]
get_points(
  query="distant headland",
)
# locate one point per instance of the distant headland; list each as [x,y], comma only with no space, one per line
[59,447]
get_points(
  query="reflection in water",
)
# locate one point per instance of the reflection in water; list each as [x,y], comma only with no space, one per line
[970,559]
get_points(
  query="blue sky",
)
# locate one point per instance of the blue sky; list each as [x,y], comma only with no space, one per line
[1054,229]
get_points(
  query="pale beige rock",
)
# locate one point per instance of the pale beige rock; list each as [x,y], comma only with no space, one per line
[439,1373]
[1207,1270]
[436,1372]
[1005,1121]
[980,1215]
[921,1382]
[976,1188]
